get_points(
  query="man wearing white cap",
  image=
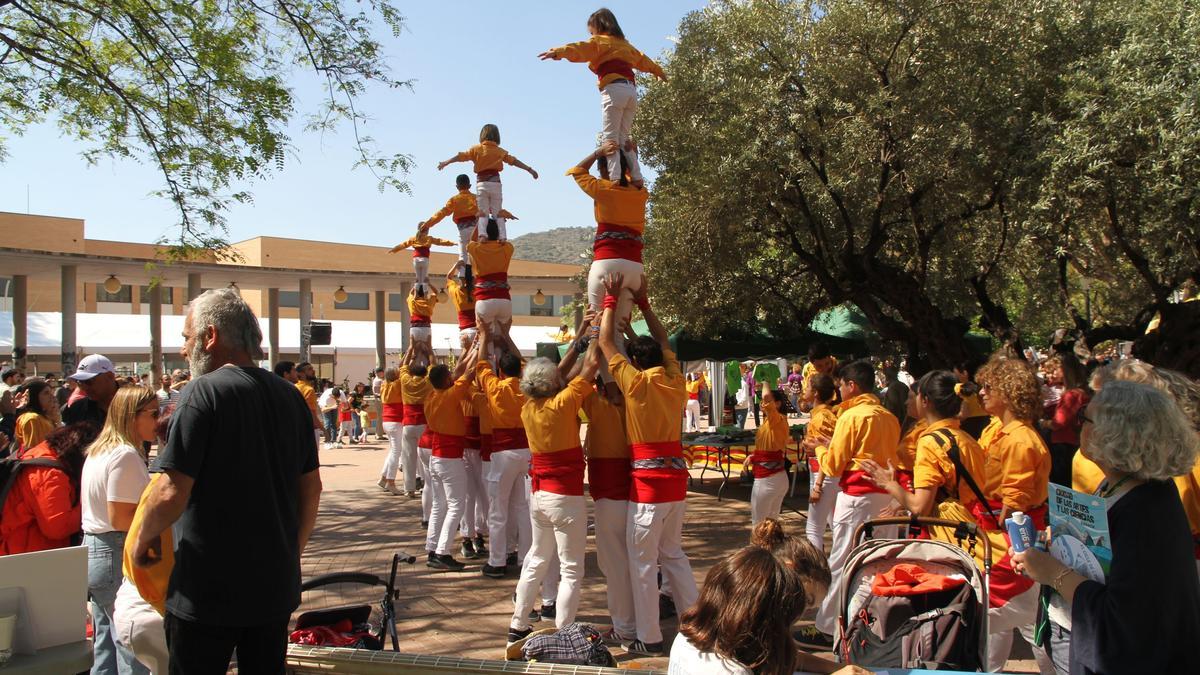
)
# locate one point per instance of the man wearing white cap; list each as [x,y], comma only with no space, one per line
[98,381]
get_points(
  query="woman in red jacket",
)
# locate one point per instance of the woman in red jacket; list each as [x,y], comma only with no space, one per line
[42,510]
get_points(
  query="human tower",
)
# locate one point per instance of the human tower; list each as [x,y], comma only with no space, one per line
[496,440]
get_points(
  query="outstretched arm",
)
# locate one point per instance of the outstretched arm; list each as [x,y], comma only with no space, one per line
[459,157]
[454,271]
[567,365]
[657,331]
[402,245]
[522,165]
[591,363]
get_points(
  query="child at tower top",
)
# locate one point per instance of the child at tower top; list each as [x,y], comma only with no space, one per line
[489,160]
[420,243]
[613,60]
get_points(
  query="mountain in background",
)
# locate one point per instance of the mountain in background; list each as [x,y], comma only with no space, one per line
[560,245]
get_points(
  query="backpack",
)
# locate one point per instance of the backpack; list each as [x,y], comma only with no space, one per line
[932,630]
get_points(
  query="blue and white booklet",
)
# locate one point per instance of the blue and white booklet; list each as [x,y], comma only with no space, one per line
[1079,532]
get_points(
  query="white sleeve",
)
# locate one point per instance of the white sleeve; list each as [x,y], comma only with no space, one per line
[127,477]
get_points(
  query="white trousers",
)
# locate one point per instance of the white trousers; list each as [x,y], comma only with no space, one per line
[613,557]
[766,497]
[421,269]
[618,106]
[395,436]
[424,455]
[410,434]
[494,312]
[820,514]
[850,512]
[654,537]
[139,627]
[631,272]
[692,414]
[508,505]
[559,525]
[448,478]
[474,519]
[464,238]
[421,334]
[490,197]
[1019,613]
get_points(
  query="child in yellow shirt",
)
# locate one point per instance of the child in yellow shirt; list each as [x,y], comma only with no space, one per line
[489,160]
[420,244]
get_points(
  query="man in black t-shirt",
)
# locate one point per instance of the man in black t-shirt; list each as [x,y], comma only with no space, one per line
[241,488]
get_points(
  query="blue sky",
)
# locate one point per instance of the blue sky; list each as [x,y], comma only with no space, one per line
[470,62]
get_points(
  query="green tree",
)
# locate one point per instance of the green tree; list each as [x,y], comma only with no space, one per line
[196,88]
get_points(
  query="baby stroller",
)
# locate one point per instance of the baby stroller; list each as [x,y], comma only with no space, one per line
[914,603]
[351,625]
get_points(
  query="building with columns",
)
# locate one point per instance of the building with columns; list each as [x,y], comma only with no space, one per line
[63,296]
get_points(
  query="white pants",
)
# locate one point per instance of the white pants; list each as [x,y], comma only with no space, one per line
[464,238]
[395,436]
[692,411]
[424,455]
[654,536]
[490,197]
[1019,613]
[494,312]
[508,506]
[474,519]
[631,272]
[766,497]
[448,478]
[421,269]
[820,514]
[618,106]
[421,334]
[850,512]
[410,434]
[559,525]
[139,627]
[613,558]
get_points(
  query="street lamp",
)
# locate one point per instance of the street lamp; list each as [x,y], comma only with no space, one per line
[539,298]
[340,294]
[112,284]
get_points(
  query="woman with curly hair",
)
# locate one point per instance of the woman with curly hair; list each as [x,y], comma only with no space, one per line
[1015,478]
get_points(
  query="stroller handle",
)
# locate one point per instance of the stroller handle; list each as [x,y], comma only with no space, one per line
[962,530]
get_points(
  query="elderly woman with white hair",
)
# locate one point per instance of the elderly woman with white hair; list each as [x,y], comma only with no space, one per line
[1146,615]
[558,510]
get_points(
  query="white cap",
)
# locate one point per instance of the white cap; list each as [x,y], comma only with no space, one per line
[91,366]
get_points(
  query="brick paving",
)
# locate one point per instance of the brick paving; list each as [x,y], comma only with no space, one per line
[464,613]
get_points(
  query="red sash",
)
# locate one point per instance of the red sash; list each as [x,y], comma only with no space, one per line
[656,486]
[471,220]
[446,446]
[414,413]
[614,67]
[509,439]
[420,251]
[471,440]
[492,293]
[426,439]
[485,447]
[490,174]
[559,472]
[609,478]
[466,319]
[905,479]
[418,321]
[393,412]
[617,249]
[857,483]
[759,456]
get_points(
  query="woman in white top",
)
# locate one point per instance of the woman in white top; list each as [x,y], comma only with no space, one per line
[114,476]
[742,622]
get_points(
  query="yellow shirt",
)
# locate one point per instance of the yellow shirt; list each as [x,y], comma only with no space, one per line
[489,257]
[933,468]
[1189,493]
[864,430]
[552,424]
[1017,471]
[822,422]
[1085,475]
[603,48]
[774,434]
[423,306]
[479,402]
[423,240]
[413,389]
[505,400]
[443,408]
[151,581]
[391,392]
[460,206]
[310,397]
[606,428]
[654,398]
[614,205]
[487,156]
[972,407]
[32,428]
[458,295]
[906,452]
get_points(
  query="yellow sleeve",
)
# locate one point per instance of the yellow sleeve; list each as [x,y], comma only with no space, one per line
[573,395]
[623,372]
[671,364]
[442,242]
[31,430]
[1189,493]
[647,65]
[441,213]
[1018,476]
[509,159]
[928,469]
[586,181]
[505,213]
[577,52]
[841,447]
[407,243]
[465,155]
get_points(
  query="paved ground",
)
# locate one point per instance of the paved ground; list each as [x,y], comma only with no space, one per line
[465,613]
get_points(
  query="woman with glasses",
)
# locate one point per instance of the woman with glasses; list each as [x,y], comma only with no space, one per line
[114,476]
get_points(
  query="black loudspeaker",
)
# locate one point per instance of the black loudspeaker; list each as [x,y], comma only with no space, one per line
[319,333]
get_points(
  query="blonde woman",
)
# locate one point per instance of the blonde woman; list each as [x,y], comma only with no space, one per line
[114,476]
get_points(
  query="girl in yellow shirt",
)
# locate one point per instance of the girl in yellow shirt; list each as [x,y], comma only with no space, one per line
[822,490]
[39,416]
[489,160]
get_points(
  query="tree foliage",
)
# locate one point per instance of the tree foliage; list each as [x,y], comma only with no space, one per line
[932,163]
[197,88]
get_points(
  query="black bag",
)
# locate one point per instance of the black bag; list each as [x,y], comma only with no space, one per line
[933,631]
